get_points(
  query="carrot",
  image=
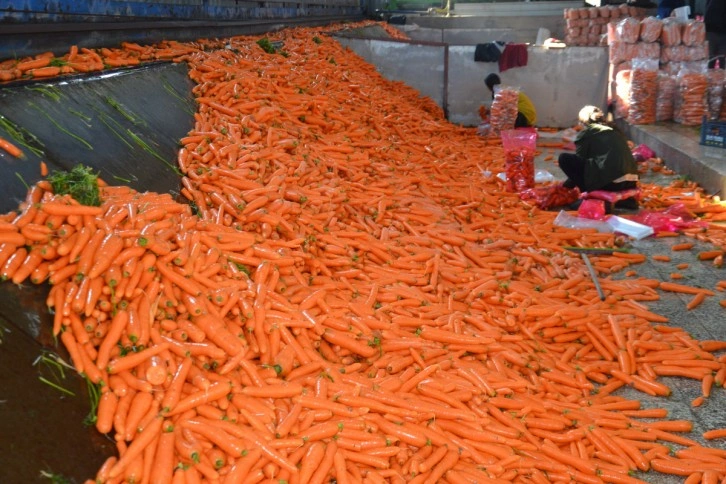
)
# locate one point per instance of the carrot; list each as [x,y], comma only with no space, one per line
[709,254]
[214,392]
[106,410]
[37,63]
[313,458]
[58,208]
[714,434]
[164,464]
[682,246]
[137,447]
[696,301]
[10,148]
[48,71]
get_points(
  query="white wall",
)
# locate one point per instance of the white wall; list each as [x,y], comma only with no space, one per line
[559,81]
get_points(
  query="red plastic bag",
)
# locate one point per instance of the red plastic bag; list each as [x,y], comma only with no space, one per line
[550,196]
[592,208]
[520,146]
[643,153]
[672,219]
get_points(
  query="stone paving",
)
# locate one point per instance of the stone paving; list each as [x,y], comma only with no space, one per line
[707,321]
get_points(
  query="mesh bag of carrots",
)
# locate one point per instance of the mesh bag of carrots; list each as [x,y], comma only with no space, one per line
[665,96]
[519,146]
[643,89]
[692,98]
[503,112]
[550,196]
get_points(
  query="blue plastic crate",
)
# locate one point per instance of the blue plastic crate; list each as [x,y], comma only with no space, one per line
[713,133]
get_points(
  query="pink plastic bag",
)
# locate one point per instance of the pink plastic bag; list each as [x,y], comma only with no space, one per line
[643,152]
[592,208]
[520,146]
[672,219]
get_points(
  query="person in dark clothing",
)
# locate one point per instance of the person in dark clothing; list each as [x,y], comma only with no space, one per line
[526,112]
[665,7]
[715,20]
[602,159]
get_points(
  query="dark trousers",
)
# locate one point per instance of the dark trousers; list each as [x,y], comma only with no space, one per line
[574,167]
[521,121]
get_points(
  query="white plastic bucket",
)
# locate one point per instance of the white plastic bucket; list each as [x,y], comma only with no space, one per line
[682,13]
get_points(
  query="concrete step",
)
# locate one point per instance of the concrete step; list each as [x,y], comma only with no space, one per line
[679,147]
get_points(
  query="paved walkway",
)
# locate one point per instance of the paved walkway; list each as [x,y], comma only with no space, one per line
[680,150]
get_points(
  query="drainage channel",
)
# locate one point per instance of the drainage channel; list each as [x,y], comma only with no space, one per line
[125,125]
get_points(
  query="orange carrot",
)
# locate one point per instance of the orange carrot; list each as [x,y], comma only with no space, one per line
[10,148]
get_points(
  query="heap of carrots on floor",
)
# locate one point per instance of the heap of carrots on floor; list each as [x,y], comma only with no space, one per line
[345,296]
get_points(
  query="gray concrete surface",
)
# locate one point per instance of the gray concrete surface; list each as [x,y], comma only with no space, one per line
[680,146]
[707,321]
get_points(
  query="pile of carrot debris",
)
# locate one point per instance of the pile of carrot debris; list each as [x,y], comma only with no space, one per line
[345,296]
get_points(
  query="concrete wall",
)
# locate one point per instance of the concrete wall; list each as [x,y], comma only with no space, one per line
[418,65]
[559,81]
[65,11]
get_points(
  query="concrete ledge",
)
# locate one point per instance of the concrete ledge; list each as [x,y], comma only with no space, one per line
[679,147]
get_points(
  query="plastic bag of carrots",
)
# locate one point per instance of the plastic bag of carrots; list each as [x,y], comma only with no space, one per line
[643,89]
[665,96]
[519,146]
[550,196]
[650,29]
[693,33]
[503,112]
[671,32]
[692,98]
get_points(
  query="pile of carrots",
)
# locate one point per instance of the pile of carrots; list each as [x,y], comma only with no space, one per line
[343,295]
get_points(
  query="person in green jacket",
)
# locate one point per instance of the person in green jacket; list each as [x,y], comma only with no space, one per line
[526,113]
[602,159]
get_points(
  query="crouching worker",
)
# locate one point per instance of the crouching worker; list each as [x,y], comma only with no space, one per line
[602,165]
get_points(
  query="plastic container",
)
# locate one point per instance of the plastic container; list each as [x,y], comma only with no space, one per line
[564,219]
[713,133]
[682,13]
[628,227]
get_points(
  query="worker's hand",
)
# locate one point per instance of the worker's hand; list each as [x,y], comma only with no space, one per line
[484,113]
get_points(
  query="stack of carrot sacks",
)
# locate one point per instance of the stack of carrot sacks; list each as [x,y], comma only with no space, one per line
[345,297]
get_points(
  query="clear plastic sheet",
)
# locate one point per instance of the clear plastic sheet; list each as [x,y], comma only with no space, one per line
[715,93]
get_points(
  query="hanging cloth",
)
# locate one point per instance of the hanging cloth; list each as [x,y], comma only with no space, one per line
[488,52]
[513,55]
